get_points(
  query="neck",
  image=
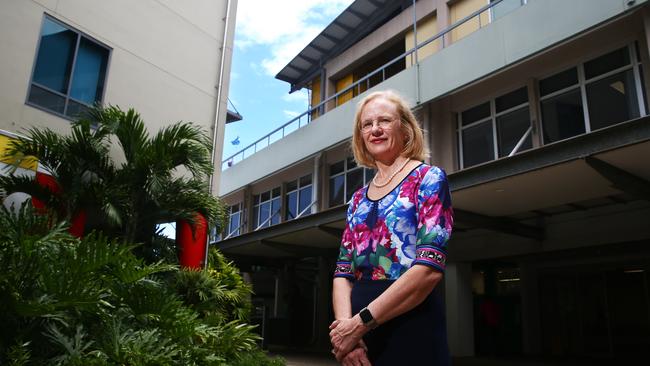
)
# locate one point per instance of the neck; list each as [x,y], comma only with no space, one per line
[386,167]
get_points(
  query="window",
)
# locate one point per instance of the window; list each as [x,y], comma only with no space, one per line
[266,208]
[235,218]
[299,197]
[345,178]
[69,72]
[497,128]
[593,95]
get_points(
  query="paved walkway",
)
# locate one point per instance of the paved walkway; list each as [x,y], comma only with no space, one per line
[317,359]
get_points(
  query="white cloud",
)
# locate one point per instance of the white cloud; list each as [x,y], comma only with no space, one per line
[298,96]
[286,26]
[290,114]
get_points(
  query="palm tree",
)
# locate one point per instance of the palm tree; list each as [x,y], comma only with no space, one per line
[125,192]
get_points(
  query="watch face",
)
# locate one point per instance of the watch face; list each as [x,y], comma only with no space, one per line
[365,316]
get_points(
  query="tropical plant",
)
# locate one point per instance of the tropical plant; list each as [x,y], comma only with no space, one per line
[90,301]
[154,179]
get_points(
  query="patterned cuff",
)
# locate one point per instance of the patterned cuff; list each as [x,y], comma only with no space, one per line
[343,269]
[431,257]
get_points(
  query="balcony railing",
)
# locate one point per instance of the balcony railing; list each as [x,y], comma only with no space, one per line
[360,85]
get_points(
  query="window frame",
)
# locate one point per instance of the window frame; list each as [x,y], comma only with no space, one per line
[257,202]
[344,173]
[492,18]
[239,227]
[493,119]
[299,188]
[635,65]
[66,96]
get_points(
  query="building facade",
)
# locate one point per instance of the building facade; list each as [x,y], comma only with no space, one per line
[538,112]
[169,61]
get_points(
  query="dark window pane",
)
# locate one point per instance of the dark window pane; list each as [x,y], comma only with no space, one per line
[558,81]
[55,55]
[265,196]
[369,174]
[477,113]
[234,208]
[562,116]
[306,180]
[478,144]
[89,72]
[612,100]
[275,192]
[292,203]
[265,211]
[608,62]
[234,224]
[336,190]
[275,211]
[510,100]
[305,200]
[337,167]
[351,163]
[76,110]
[293,185]
[645,96]
[256,219]
[354,182]
[46,99]
[511,128]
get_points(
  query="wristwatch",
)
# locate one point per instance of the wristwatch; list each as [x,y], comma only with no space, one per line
[367,318]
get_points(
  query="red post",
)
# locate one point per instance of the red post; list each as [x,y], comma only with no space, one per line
[192,245]
[78,222]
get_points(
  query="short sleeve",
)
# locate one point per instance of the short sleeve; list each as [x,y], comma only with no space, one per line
[435,220]
[344,263]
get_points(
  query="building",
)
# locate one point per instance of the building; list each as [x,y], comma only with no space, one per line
[168,60]
[537,110]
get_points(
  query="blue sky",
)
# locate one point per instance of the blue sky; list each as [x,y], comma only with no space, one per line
[268,35]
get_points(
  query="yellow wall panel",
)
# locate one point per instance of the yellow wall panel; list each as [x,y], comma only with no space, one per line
[341,84]
[30,164]
[427,28]
[461,9]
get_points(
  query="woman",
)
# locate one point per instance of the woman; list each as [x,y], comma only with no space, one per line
[387,308]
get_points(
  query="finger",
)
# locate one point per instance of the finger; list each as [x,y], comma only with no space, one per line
[334,324]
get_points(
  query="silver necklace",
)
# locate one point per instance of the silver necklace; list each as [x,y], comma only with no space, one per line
[374,180]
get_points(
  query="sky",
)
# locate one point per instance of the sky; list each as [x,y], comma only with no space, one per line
[268,35]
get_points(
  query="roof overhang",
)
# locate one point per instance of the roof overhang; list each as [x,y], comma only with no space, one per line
[605,164]
[354,23]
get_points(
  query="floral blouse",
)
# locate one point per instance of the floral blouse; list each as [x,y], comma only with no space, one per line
[408,226]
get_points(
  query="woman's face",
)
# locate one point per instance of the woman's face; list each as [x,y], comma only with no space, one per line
[382,134]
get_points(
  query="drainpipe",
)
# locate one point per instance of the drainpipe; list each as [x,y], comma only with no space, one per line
[215,127]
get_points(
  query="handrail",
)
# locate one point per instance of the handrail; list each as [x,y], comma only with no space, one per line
[231,160]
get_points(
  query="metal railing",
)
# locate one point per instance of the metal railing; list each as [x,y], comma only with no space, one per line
[333,101]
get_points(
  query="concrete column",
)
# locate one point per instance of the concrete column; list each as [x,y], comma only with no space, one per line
[535,113]
[644,50]
[316,184]
[530,315]
[460,313]
[248,206]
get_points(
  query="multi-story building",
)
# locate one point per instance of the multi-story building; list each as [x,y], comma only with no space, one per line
[537,110]
[168,60]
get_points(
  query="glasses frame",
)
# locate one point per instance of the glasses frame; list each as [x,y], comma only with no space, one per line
[384,124]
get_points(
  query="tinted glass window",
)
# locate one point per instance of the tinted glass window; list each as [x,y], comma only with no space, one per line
[478,144]
[608,62]
[562,116]
[511,127]
[612,100]
[510,100]
[305,199]
[336,190]
[354,182]
[475,114]
[558,81]
[292,203]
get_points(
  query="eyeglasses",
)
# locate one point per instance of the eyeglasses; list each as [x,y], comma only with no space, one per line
[383,123]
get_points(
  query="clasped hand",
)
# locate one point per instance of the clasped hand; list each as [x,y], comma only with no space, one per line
[349,349]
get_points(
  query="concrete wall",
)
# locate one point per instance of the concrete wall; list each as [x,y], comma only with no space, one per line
[164,61]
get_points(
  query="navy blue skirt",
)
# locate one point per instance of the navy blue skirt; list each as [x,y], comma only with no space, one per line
[417,337]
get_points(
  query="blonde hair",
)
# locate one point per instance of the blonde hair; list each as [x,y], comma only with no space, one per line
[413,136]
